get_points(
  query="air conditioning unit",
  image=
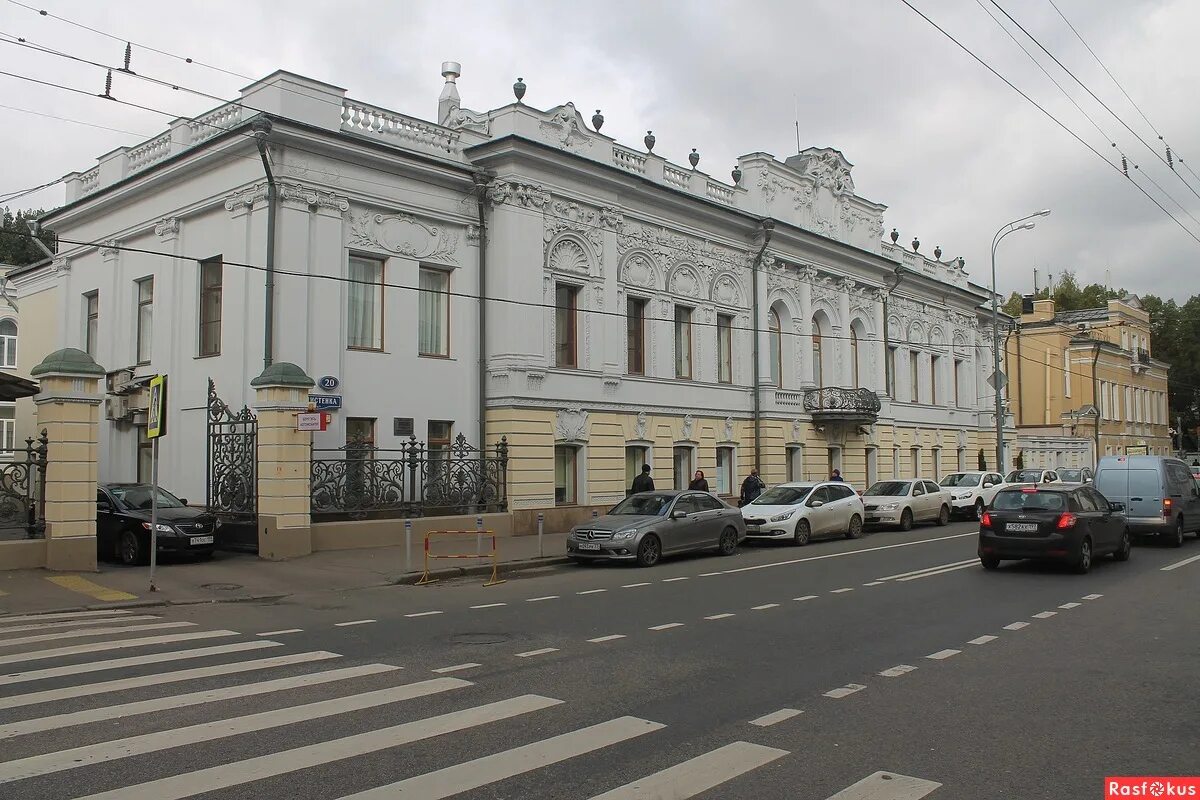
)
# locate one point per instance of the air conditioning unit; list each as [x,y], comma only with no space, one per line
[115,408]
[116,380]
[137,401]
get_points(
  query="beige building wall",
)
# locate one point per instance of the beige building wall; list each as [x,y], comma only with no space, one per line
[37,337]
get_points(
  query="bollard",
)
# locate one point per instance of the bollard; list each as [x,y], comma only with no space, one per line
[595,513]
[541,525]
[408,545]
[479,536]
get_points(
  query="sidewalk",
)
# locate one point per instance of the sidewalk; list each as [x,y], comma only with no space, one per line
[234,577]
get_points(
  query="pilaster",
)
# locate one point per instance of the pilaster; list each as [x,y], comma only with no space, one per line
[284,496]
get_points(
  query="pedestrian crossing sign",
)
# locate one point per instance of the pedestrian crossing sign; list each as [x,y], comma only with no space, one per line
[156,422]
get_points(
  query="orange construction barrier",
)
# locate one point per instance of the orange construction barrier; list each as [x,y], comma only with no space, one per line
[494,580]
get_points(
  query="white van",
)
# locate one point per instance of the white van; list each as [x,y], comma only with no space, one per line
[1161,497]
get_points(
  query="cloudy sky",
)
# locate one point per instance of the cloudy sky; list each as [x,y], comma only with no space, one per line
[950,149]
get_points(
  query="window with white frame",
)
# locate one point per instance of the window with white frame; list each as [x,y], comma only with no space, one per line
[915,458]
[683,342]
[433,312]
[872,466]
[914,376]
[211,287]
[145,318]
[566,475]
[364,312]
[937,464]
[566,325]
[91,330]
[8,429]
[8,344]
[726,458]
[724,348]
[935,370]
[795,463]
[683,462]
[635,457]
[1066,373]
[895,462]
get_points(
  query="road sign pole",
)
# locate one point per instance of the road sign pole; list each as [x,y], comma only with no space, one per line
[408,545]
[541,526]
[479,536]
[153,511]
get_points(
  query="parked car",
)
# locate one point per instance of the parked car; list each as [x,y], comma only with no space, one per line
[902,503]
[646,526]
[1020,477]
[1084,475]
[1074,524]
[801,511]
[1161,497]
[972,492]
[123,524]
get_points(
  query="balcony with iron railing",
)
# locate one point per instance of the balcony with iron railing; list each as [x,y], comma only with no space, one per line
[837,404]
[1143,356]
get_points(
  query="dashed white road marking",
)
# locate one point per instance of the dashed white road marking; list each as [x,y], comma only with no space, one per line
[874,583]
[280,633]
[672,580]
[635,585]
[710,574]
[1092,596]
[983,639]
[542,652]
[941,655]
[845,691]
[849,553]
[965,563]
[846,589]
[720,616]
[667,626]
[775,717]
[424,613]
[765,606]
[887,786]
[1016,626]
[1044,614]
[1170,567]
[489,605]
[456,668]
[592,591]
[610,638]
[897,671]
[806,597]
[1069,606]
[929,574]
[540,599]
[355,622]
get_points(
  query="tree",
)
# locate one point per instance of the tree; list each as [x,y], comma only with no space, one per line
[1068,295]
[15,247]
[1019,462]
[982,461]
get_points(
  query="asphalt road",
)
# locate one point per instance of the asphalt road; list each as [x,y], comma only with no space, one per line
[890,668]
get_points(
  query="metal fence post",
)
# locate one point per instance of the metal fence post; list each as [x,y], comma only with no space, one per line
[408,545]
[541,524]
[479,536]
[595,513]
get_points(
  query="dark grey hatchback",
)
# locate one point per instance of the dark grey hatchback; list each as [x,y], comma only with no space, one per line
[1074,524]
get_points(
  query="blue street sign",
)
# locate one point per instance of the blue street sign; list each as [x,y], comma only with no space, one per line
[325,402]
[328,383]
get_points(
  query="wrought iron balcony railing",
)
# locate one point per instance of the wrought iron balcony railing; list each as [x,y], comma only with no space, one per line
[836,403]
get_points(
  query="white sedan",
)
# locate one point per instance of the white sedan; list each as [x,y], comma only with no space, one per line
[972,493]
[800,511]
[902,503]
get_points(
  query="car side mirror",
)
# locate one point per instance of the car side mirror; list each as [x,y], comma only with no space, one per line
[988,485]
[183,500]
[104,507]
[815,503]
[1117,507]
[678,515]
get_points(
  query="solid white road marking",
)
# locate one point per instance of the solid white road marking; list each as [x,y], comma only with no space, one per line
[775,717]
[121,684]
[983,639]
[806,597]
[38,655]
[58,626]
[874,583]
[593,591]
[1092,596]
[667,626]
[1068,606]
[897,671]
[62,615]
[280,633]
[470,775]
[887,786]
[635,585]
[672,580]
[1016,626]
[697,775]
[710,574]
[1167,568]
[848,553]
[542,652]
[135,661]
[611,638]
[1044,614]
[765,607]
[936,572]
[355,622]
[540,599]
[225,776]
[489,605]
[78,634]
[87,755]
[846,589]
[424,614]
[941,655]
[456,668]
[845,691]
[720,616]
[967,562]
[184,700]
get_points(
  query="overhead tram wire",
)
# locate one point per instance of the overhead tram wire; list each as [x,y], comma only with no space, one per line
[1052,118]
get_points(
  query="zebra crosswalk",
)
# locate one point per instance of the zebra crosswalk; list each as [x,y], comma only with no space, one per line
[79,725]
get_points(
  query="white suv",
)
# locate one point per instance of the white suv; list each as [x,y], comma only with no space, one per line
[801,511]
[972,492]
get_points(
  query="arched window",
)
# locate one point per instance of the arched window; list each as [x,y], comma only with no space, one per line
[776,342]
[854,356]
[8,344]
[818,378]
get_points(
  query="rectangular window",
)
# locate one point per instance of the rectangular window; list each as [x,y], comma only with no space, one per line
[145,456]
[725,459]
[1067,371]
[872,466]
[914,376]
[364,315]
[566,476]
[635,457]
[8,344]
[958,383]
[795,464]
[682,460]
[683,342]
[893,363]
[360,431]
[935,374]
[211,279]
[566,306]
[8,429]
[437,445]
[635,335]
[433,312]
[91,329]
[937,464]
[916,462]
[895,462]
[145,319]
[724,348]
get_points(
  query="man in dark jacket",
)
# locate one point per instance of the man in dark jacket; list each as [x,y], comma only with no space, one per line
[643,482]
[752,487]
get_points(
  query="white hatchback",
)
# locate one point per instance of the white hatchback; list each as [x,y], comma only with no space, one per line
[801,511]
[972,493]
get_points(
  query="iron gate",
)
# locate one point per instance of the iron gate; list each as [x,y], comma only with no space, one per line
[23,492]
[231,488]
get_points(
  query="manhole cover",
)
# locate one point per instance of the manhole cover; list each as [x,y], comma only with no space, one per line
[480,638]
[221,587]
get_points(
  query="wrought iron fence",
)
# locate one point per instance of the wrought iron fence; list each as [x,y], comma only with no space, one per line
[231,488]
[361,481]
[850,401]
[23,491]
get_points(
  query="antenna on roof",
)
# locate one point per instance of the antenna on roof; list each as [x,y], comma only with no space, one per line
[796,103]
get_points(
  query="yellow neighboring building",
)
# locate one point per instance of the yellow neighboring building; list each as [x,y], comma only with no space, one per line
[1065,365]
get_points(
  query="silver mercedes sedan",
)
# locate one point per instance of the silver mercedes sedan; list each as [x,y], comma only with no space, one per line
[644,527]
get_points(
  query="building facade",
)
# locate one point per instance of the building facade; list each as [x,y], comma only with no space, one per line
[634,310]
[9,353]
[1085,384]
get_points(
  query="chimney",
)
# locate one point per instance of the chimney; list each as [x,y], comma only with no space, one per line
[449,98]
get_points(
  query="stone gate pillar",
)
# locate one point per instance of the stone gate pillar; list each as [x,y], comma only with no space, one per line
[284,499]
[68,409]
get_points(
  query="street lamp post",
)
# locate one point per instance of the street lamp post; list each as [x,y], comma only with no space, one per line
[1022,224]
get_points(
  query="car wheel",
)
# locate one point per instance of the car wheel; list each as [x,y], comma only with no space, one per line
[729,542]
[856,528]
[906,520]
[1083,559]
[1177,538]
[989,562]
[943,516]
[649,551]
[979,508]
[803,533]
[129,549]
[1122,552]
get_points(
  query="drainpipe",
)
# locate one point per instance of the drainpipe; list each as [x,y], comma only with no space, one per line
[888,377]
[1017,409]
[1096,399]
[482,182]
[767,226]
[262,130]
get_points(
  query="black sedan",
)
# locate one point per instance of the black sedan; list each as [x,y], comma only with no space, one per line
[123,524]
[1066,523]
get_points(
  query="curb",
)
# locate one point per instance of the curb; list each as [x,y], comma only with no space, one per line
[411,578]
[148,604]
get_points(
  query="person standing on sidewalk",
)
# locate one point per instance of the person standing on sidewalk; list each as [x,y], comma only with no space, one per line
[699,482]
[752,487]
[643,482]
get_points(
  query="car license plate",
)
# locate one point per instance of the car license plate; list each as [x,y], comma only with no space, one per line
[753,529]
[1021,527]
[588,545]
[195,540]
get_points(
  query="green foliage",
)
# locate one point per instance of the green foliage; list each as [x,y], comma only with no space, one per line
[982,461]
[15,246]
[1175,339]
[1019,463]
